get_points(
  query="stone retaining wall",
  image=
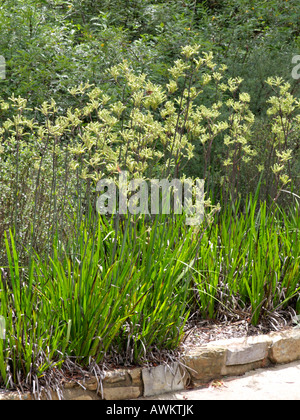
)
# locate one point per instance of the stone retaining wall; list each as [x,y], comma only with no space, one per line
[197,367]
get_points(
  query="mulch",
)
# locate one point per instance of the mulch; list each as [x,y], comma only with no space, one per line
[203,332]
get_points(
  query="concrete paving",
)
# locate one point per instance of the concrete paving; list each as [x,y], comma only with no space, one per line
[281,382]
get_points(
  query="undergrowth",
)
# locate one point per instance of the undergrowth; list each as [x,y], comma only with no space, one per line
[126,288]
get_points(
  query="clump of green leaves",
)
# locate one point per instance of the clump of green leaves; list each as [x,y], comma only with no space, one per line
[119,294]
[248,265]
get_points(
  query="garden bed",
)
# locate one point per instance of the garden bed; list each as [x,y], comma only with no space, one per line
[205,332]
[197,366]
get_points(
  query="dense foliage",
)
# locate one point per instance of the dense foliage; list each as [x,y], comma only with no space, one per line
[161,89]
[52,46]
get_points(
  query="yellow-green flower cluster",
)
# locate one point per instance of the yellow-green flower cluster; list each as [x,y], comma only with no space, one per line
[148,128]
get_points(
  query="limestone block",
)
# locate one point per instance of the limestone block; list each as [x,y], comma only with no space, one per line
[78,394]
[119,376]
[161,379]
[119,393]
[250,351]
[205,363]
[14,396]
[237,370]
[136,376]
[92,384]
[122,384]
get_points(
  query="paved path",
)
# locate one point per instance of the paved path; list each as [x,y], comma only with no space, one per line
[276,383]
